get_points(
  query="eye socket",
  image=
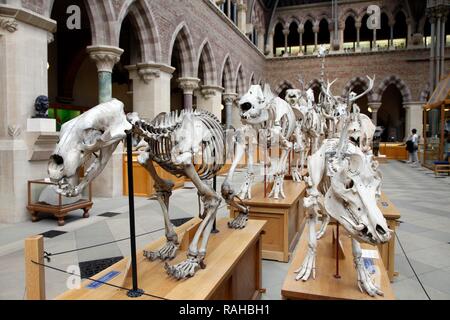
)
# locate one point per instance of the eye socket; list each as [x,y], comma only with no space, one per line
[349,184]
[246,106]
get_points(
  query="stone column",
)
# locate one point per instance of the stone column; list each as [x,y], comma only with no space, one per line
[261,37]
[438,49]
[105,57]
[374,43]
[188,85]
[414,115]
[375,106]
[391,39]
[358,36]
[109,183]
[242,17]
[432,53]
[316,36]
[209,98]
[23,77]
[269,46]
[301,30]
[228,99]
[229,8]
[443,46]
[286,34]
[151,89]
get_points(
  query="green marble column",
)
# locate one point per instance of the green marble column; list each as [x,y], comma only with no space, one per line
[104,86]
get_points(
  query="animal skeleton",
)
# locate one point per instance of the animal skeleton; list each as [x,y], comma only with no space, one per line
[273,119]
[344,183]
[173,140]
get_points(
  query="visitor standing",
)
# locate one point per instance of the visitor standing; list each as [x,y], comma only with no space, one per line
[412,146]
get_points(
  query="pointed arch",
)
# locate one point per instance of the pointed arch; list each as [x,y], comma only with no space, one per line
[207,61]
[252,80]
[226,79]
[102,22]
[350,12]
[283,85]
[240,80]
[183,39]
[143,22]
[399,83]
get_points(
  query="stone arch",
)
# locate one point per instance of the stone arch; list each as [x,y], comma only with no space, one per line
[293,19]
[226,75]
[361,81]
[206,56]
[325,16]
[252,80]
[183,38]
[240,80]
[315,85]
[307,18]
[425,94]
[283,85]
[350,12]
[399,83]
[277,21]
[101,19]
[143,22]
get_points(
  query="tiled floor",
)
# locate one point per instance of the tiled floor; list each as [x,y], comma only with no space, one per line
[423,200]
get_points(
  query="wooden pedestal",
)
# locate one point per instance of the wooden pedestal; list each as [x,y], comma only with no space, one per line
[326,286]
[233,270]
[143,183]
[387,250]
[285,219]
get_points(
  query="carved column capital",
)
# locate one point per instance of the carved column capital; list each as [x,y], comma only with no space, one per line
[286,31]
[8,24]
[210,91]
[229,97]
[105,57]
[358,25]
[188,85]
[375,106]
[242,7]
[220,2]
[301,29]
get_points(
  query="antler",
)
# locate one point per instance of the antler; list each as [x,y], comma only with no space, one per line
[328,92]
[371,83]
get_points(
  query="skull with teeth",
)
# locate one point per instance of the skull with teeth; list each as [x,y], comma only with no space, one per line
[87,141]
[352,198]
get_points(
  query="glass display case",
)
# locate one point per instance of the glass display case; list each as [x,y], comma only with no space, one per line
[436,126]
[43,199]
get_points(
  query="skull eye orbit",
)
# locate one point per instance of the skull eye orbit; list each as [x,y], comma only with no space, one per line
[349,184]
[246,106]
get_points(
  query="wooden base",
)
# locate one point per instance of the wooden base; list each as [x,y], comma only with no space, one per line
[326,286]
[394,151]
[60,212]
[387,250]
[233,270]
[143,183]
[285,219]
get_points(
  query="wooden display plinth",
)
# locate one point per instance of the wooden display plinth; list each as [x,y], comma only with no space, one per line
[285,219]
[326,286]
[233,269]
[387,250]
[143,183]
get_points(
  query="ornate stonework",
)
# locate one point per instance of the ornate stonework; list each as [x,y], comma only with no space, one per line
[105,57]
[8,24]
[188,85]
[14,130]
[210,91]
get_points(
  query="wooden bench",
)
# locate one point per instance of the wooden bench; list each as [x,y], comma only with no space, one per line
[285,219]
[326,286]
[441,168]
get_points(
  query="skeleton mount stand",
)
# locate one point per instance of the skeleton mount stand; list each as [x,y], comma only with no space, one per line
[135,292]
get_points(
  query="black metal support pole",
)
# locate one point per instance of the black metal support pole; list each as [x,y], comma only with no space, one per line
[135,292]
[214,229]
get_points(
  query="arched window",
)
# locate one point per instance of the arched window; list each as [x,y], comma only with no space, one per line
[384,34]
[400,30]
[350,33]
[391,115]
[308,37]
[278,40]
[324,32]
[293,38]
[366,35]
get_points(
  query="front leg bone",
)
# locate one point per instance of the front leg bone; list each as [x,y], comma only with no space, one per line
[246,189]
[365,282]
[167,252]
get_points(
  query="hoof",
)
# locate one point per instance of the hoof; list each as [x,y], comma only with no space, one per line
[239,222]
